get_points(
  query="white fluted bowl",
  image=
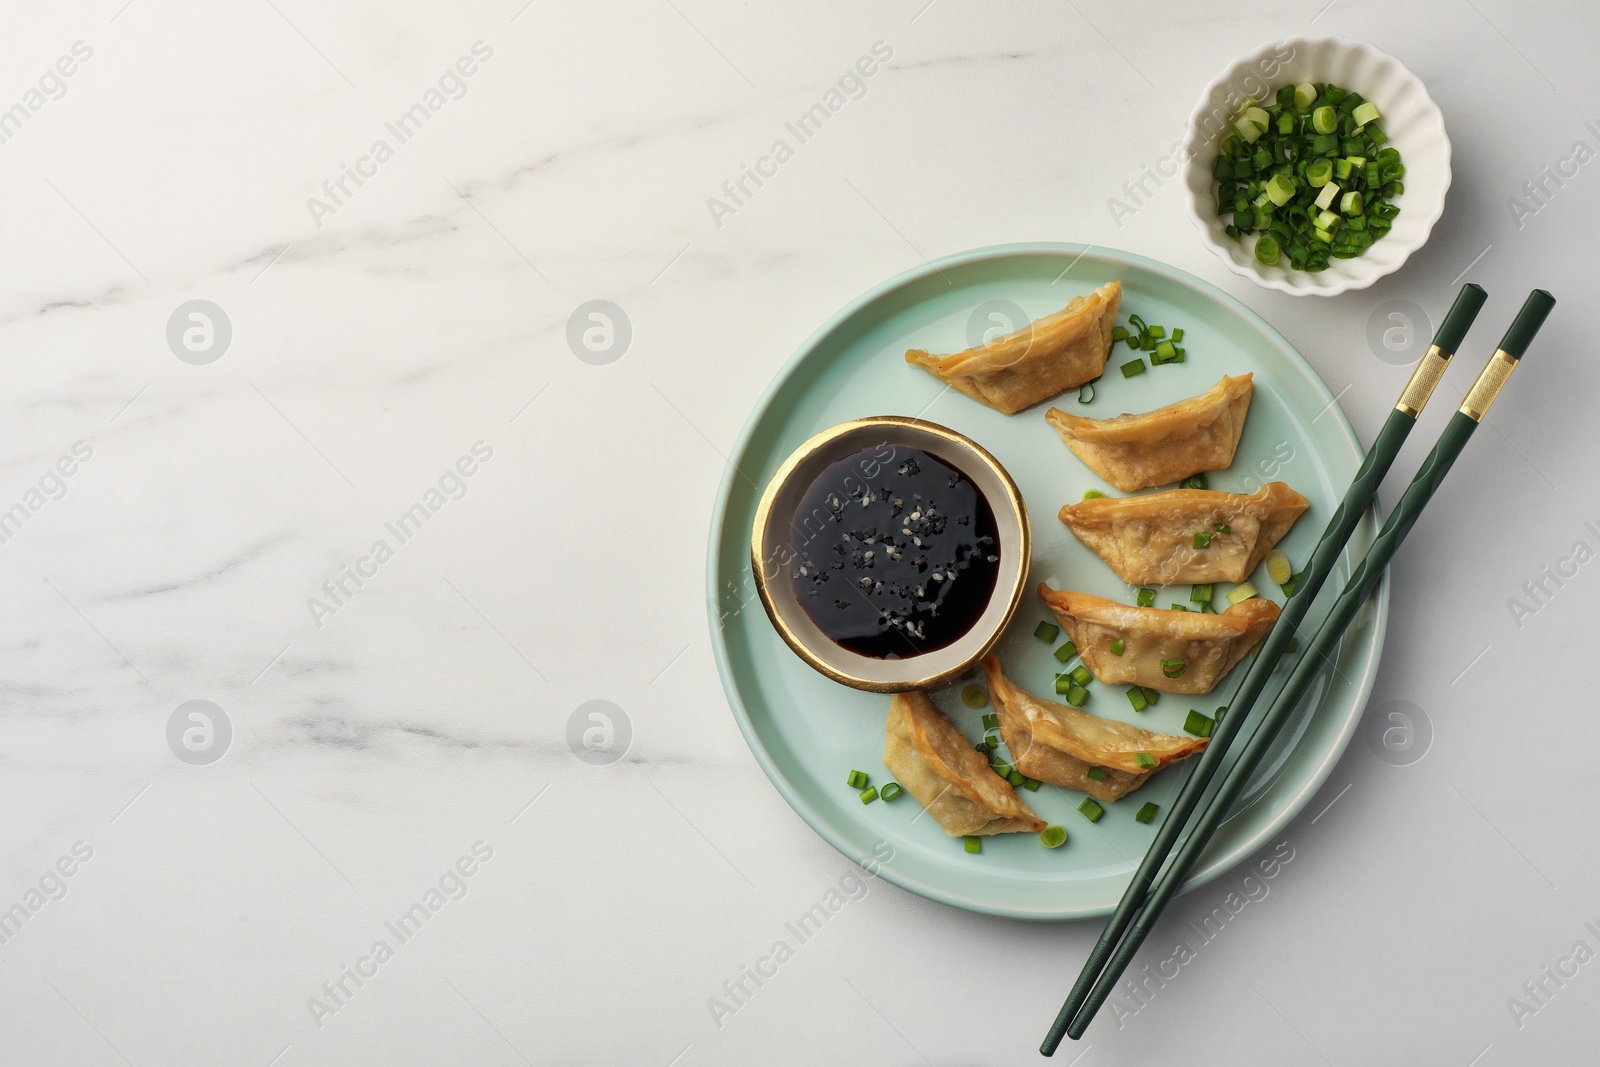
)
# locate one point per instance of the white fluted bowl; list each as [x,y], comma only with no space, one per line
[1410,118]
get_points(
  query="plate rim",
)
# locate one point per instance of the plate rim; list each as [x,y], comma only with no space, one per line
[1289,807]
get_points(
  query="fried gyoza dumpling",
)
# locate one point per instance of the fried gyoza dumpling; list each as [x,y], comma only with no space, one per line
[1150,540]
[1173,651]
[950,779]
[1059,744]
[1060,351]
[1162,446]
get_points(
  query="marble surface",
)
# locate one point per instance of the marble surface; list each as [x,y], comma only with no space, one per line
[387,728]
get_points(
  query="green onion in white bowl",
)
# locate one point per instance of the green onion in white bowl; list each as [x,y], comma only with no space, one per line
[1276,176]
[1412,126]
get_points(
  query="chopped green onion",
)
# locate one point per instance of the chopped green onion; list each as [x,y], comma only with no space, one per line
[1177,333]
[1093,494]
[1305,94]
[1293,645]
[1015,777]
[1147,597]
[1325,198]
[1220,713]
[1177,607]
[1117,647]
[1002,768]
[1080,674]
[1097,773]
[1091,810]
[890,791]
[1324,120]
[1367,112]
[1046,631]
[1086,394]
[869,794]
[1145,760]
[1174,667]
[1202,540]
[1147,811]
[1196,481]
[1280,190]
[1133,368]
[1137,698]
[1198,724]
[857,779]
[1278,568]
[1066,652]
[1350,203]
[1221,528]
[974,696]
[1031,784]
[1241,593]
[1151,696]
[1077,696]
[1289,586]
[1268,251]
[1319,173]
[973,844]
[991,721]
[1052,837]
[1064,683]
[1200,594]
[1158,331]
[1165,351]
[1119,333]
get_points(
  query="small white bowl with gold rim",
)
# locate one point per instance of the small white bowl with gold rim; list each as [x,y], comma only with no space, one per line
[771,553]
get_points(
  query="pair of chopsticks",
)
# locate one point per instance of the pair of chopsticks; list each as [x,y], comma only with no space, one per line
[1137,913]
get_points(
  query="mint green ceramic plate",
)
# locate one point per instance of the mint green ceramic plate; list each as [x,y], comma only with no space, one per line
[808,733]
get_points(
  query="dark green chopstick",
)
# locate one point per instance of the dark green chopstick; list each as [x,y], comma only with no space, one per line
[1365,484]
[1323,647]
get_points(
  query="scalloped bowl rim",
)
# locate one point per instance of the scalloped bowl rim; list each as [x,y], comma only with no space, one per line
[1299,283]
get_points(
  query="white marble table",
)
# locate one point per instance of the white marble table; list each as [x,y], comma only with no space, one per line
[388,328]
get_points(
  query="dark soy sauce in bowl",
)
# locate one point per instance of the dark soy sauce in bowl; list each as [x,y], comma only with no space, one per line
[896,564]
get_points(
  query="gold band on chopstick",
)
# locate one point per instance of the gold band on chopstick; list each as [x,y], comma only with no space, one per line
[1493,378]
[1423,381]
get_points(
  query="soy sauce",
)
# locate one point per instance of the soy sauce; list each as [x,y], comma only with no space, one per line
[894,552]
